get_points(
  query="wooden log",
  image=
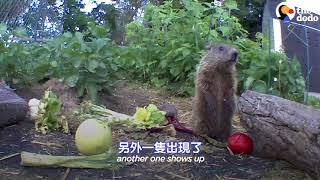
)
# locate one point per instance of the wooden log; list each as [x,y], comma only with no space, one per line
[282,129]
[12,107]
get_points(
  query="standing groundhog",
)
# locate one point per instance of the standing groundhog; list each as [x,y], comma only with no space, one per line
[214,102]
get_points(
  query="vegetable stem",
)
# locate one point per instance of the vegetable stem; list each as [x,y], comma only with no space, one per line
[101,161]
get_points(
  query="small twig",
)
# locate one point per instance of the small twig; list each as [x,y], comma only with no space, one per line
[10,126]
[213,141]
[164,167]
[64,177]
[231,178]
[46,144]
[9,156]
[241,156]
[118,177]
[159,177]
[212,164]
[218,177]
[176,175]
[230,151]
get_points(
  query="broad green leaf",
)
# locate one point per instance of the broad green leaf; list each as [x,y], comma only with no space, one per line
[3,28]
[67,35]
[231,4]
[54,64]
[20,32]
[79,36]
[185,52]
[260,86]
[80,91]
[114,67]
[77,63]
[275,92]
[71,81]
[100,43]
[92,65]
[225,30]
[248,82]
[92,91]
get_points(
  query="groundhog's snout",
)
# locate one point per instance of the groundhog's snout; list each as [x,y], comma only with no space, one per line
[234,56]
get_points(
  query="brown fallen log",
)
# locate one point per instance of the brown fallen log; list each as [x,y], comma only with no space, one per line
[12,107]
[282,129]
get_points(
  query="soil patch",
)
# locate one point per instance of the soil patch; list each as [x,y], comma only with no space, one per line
[219,164]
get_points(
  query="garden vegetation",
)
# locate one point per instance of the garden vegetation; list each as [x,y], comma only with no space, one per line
[163,49]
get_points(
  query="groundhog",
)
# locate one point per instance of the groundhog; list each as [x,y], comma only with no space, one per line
[214,101]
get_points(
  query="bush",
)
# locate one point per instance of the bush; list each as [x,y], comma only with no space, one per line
[15,58]
[165,49]
[86,61]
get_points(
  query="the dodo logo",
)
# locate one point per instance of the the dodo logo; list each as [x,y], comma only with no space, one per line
[285,11]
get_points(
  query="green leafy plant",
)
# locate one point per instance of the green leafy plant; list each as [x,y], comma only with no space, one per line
[315,102]
[15,58]
[166,51]
[85,61]
[149,117]
[256,63]
[144,118]
[163,50]
[48,111]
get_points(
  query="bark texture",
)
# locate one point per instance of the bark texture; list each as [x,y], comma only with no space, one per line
[282,129]
[12,107]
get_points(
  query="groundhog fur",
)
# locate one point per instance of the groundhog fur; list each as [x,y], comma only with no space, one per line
[214,101]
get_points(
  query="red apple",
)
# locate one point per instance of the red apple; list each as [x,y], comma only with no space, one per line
[240,143]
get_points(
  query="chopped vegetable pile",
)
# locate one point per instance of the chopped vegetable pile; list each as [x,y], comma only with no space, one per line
[144,118]
[48,111]
[149,117]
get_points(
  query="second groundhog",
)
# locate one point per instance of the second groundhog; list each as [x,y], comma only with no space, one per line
[214,101]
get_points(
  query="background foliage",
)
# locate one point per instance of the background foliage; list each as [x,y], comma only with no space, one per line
[84,61]
[166,52]
[163,48]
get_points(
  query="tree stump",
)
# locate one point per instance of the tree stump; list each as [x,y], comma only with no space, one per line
[282,129]
[12,107]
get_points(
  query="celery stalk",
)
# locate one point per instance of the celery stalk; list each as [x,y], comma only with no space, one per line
[101,161]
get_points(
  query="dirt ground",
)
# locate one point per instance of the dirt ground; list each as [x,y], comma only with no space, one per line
[219,163]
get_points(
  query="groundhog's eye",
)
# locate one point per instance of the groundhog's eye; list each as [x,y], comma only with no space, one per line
[221,48]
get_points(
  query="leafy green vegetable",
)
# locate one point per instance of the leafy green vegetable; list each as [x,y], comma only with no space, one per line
[144,118]
[141,114]
[152,108]
[107,160]
[49,109]
[88,110]
[149,117]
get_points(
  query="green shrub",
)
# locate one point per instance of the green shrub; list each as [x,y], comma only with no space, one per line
[255,65]
[163,50]
[315,102]
[15,58]
[165,53]
[86,61]
[87,65]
